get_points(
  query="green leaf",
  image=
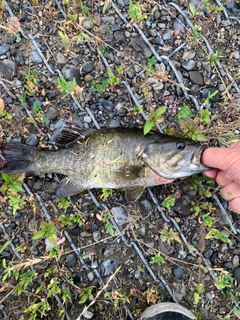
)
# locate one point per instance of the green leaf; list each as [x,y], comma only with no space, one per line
[160,111]
[148,126]
[4,246]
[196,297]
[38,234]
[192,9]
[201,137]
[5,177]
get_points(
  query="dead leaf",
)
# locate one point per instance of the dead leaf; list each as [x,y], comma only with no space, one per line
[1,104]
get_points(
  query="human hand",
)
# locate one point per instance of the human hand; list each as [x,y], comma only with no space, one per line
[226,164]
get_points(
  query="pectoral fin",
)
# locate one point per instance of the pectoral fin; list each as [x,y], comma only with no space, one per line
[134,193]
[69,187]
[133,172]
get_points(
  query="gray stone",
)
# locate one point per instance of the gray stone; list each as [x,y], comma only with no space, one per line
[157,86]
[153,33]
[187,55]
[19,58]
[196,77]
[140,46]
[183,206]
[235,55]
[228,265]
[179,23]
[235,261]
[180,291]
[157,15]
[88,314]
[108,267]
[195,89]
[35,57]
[7,69]
[158,41]
[236,275]
[178,272]
[137,68]
[146,205]
[52,114]
[77,278]
[87,119]
[188,65]
[50,187]
[37,185]
[90,276]
[87,66]
[115,27]
[165,247]
[96,235]
[61,59]
[108,19]
[233,7]
[107,104]
[120,217]
[167,35]
[214,258]
[78,122]
[142,230]
[4,48]
[49,245]
[71,260]
[71,72]
[32,140]
[208,253]
[115,123]
[119,36]
[87,24]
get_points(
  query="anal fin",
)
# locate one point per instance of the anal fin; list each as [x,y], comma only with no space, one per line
[69,187]
[134,193]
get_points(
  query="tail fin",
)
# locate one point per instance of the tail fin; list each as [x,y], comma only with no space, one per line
[18,157]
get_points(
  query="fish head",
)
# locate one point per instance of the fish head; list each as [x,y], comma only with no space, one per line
[172,157]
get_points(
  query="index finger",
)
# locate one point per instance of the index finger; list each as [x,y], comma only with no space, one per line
[219,158]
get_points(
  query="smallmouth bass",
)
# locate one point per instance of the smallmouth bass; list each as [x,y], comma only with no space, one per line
[107,158]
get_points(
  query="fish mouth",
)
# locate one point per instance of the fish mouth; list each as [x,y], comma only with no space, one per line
[195,158]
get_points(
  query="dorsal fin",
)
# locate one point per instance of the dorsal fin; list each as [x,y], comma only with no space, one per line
[67,136]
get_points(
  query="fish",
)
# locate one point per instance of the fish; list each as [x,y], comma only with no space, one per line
[107,158]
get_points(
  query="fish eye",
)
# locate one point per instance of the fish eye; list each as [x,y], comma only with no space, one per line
[181,145]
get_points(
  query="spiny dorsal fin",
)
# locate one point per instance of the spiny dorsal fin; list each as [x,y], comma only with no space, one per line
[66,136]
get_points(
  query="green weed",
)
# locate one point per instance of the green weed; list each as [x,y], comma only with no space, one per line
[216,234]
[106,192]
[153,118]
[85,294]
[167,234]
[106,215]
[184,112]
[118,298]
[47,231]
[223,281]
[63,203]
[135,12]
[192,131]
[157,259]
[168,202]
[66,87]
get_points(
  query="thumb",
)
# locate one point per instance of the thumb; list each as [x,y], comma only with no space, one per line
[225,159]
